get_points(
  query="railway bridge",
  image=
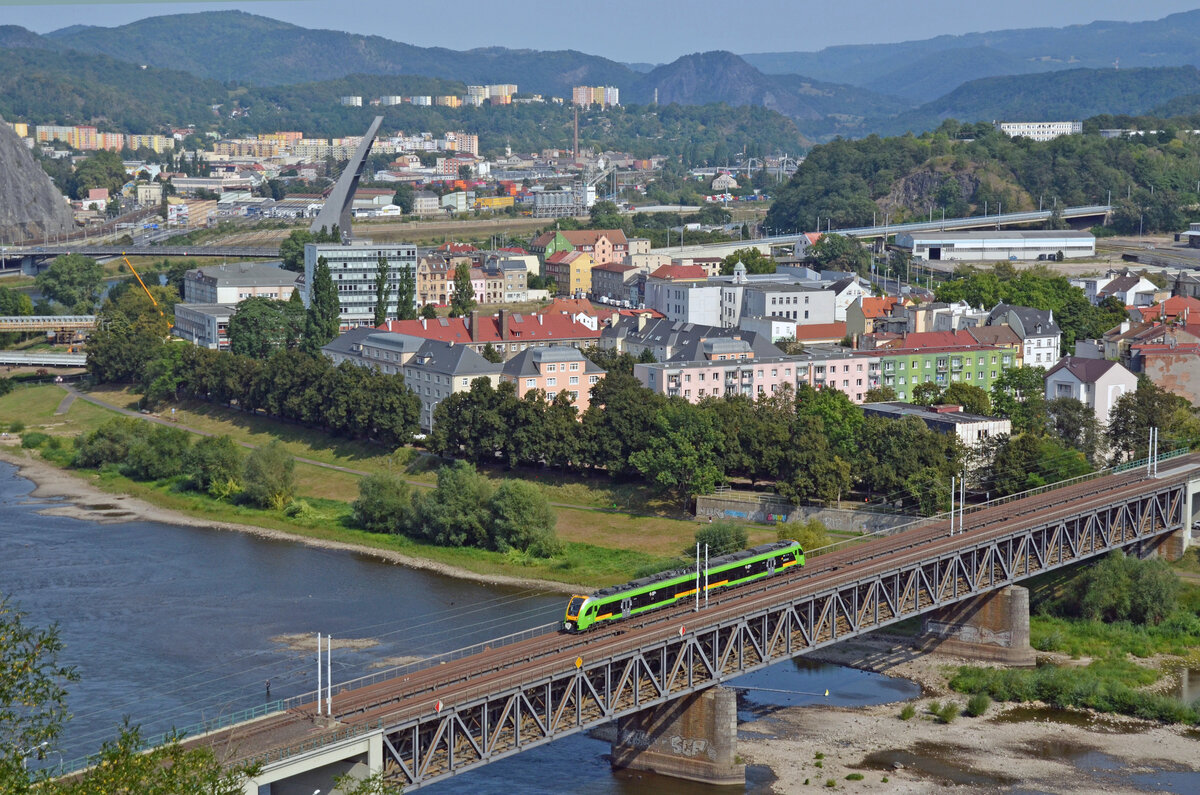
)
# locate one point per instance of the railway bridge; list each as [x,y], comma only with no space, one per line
[432,720]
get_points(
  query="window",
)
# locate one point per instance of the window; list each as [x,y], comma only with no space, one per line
[592,379]
[550,368]
[574,367]
[551,395]
[551,382]
[531,383]
[574,380]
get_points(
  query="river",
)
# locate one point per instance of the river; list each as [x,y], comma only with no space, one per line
[173,625]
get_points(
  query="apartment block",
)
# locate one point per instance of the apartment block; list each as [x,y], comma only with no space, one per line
[353,270]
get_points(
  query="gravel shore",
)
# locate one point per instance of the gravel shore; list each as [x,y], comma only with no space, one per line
[84,500]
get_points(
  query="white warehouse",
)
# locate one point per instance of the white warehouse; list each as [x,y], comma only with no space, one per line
[992,246]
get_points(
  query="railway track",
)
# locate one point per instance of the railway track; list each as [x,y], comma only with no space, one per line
[493,670]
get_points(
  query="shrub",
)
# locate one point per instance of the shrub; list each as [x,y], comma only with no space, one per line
[523,519]
[854,777]
[978,704]
[34,439]
[948,712]
[384,503]
[299,509]
[721,537]
[830,782]
[156,453]
[214,465]
[16,426]
[935,707]
[455,513]
[270,476]
[109,443]
[7,385]
[907,712]
[811,534]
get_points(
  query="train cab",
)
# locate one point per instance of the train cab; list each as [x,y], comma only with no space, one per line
[575,608]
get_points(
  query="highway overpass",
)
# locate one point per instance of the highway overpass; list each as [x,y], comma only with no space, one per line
[766,244]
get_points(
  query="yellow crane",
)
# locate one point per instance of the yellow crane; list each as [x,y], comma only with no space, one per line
[144,287]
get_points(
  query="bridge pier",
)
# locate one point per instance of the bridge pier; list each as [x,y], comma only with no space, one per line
[693,737]
[993,627]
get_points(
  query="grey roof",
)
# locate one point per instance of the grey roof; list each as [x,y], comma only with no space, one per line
[726,345]
[216,310]
[348,343]
[927,413]
[1031,322]
[525,362]
[784,288]
[401,343]
[1088,371]
[683,339]
[1121,283]
[451,359]
[245,274]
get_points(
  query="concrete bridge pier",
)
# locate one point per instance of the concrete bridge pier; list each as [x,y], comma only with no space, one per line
[693,737]
[993,627]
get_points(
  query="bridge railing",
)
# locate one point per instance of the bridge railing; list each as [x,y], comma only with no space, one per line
[345,733]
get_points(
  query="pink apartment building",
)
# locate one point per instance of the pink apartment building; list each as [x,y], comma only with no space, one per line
[554,370]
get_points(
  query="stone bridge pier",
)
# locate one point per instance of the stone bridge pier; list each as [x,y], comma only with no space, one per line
[993,627]
[693,737]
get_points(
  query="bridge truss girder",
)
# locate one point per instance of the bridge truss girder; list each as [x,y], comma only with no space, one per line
[551,704]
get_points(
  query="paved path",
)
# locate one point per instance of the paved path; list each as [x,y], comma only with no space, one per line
[73,393]
[67,400]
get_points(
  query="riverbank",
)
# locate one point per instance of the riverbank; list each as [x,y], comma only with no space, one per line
[84,499]
[1027,746]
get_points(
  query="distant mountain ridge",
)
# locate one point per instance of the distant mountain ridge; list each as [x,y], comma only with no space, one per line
[891,68]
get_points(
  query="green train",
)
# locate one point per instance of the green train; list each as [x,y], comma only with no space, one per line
[670,587]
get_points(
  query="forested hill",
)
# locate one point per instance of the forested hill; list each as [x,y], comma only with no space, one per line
[233,45]
[1074,94]
[962,168]
[923,70]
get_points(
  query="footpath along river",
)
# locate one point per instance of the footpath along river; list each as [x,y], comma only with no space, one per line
[171,625]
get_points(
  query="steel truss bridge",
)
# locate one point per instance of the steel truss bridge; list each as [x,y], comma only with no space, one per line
[423,724]
[30,323]
[95,251]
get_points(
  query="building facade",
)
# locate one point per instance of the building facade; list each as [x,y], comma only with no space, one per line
[353,269]
[229,284]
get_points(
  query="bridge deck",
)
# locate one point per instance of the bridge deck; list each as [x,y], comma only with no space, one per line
[412,697]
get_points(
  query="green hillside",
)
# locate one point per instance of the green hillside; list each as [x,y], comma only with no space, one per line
[1074,94]
[960,168]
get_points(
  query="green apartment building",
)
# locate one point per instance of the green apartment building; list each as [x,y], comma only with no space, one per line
[978,365]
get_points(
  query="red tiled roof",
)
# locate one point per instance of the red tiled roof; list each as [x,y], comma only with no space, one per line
[456,248]
[521,327]
[685,272]
[1172,307]
[588,237]
[614,267]
[938,339]
[878,307]
[653,314]
[820,331]
[514,250]
[570,306]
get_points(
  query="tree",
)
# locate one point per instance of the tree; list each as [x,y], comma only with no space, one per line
[880,394]
[926,394]
[383,291]
[1019,394]
[1135,413]
[428,311]
[261,326]
[291,250]
[104,169]
[973,399]
[405,198]
[1027,461]
[270,476]
[214,466]
[721,537]
[463,299]
[683,452]
[455,513]
[754,260]
[33,706]
[839,252]
[383,504]
[1122,588]
[606,215]
[1074,424]
[324,310]
[811,470]
[490,353]
[522,519]
[406,295]
[73,280]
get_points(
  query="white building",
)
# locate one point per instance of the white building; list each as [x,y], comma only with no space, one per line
[971,429]
[1096,383]
[1039,130]
[351,102]
[1131,289]
[230,284]
[993,246]
[204,325]
[1040,335]
[353,269]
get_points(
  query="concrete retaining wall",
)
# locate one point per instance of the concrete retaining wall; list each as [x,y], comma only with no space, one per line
[770,511]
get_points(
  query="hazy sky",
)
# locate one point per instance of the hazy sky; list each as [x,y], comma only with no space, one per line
[656,31]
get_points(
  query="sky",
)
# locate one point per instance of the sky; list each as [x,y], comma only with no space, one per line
[652,31]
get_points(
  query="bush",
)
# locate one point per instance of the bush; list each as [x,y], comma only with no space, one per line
[34,439]
[299,509]
[270,477]
[908,712]
[1121,588]
[811,534]
[107,444]
[854,777]
[722,538]
[948,712]
[522,519]
[384,503]
[16,426]
[455,513]
[7,385]
[214,466]
[830,782]
[978,704]
[156,453]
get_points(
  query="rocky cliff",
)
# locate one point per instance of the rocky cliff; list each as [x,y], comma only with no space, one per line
[30,205]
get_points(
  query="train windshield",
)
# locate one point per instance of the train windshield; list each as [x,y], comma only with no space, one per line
[575,605]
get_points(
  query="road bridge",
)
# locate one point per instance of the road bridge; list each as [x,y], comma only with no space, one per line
[429,721]
[766,244]
[42,359]
[32,323]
